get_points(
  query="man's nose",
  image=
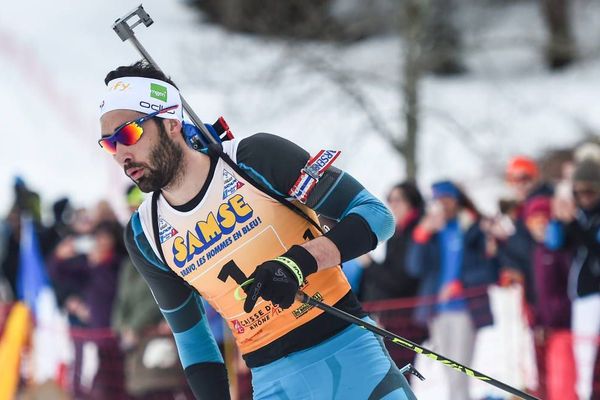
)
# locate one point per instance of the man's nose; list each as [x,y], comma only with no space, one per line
[123,155]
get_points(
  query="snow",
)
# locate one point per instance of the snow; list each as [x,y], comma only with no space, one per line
[54,55]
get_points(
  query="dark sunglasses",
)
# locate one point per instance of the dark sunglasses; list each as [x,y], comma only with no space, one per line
[130,132]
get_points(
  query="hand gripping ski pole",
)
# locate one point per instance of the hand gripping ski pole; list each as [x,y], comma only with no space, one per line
[304,298]
[125,32]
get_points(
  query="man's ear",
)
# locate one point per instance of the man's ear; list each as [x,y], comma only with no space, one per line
[173,126]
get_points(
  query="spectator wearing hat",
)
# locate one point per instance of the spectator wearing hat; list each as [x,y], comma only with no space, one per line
[578,225]
[389,279]
[553,307]
[551,267]
[448,255]
[523,177]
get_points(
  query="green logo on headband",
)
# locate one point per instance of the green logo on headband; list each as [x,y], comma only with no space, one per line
[158,92]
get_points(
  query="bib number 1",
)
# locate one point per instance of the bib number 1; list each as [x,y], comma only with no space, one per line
[231,269]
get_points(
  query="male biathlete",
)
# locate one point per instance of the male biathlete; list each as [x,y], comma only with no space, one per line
[217,226]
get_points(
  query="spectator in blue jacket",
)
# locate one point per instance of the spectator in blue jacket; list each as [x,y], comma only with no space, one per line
[449,255]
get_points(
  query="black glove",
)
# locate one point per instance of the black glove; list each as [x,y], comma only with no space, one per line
[279,279]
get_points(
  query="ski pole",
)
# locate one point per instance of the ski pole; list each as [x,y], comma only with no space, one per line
[304,298]
[125,32]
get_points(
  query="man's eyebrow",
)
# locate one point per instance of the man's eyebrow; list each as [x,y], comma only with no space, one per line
[113,131]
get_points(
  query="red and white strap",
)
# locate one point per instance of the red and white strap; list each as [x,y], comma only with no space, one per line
[311,173]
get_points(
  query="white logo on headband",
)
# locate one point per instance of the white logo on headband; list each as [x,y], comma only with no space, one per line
[142,94]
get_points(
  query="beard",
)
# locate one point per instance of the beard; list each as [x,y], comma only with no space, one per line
[165,167]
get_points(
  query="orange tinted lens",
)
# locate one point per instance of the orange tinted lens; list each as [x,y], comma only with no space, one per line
[129,134]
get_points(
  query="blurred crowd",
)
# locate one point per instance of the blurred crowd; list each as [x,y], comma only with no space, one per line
[544,238]
[107,302]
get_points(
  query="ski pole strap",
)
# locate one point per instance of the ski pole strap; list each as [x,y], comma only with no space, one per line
[311,173]
[292,266]
[238,293]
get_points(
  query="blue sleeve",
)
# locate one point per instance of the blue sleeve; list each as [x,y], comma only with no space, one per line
[555,235]
[363,219]
[347,196]
[372,210]
[195,342]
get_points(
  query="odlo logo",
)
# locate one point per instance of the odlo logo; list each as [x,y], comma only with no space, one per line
[158,92]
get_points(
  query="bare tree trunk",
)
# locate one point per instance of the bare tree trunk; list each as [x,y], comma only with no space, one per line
[232,13]
[442,39]
[561,49]
[412,70]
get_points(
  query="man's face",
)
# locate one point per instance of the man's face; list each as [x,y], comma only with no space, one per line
[521,185]
[537,224]
[449,206]
[587,195]
[398,204]
[154,162]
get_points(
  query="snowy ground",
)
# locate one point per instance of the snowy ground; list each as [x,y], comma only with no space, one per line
[54,55]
